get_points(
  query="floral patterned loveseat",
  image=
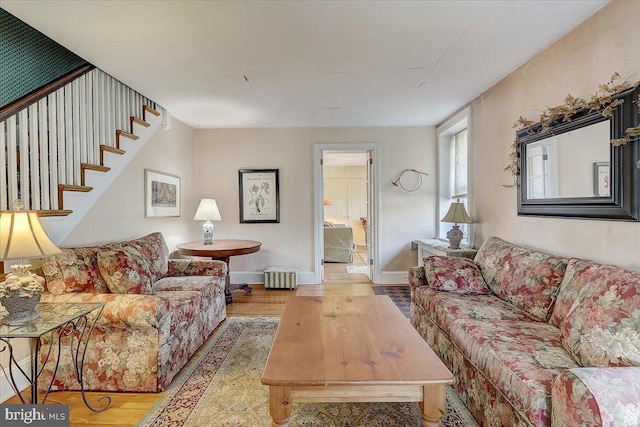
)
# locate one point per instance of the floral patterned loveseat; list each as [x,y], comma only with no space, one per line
[534,339]
[158,312]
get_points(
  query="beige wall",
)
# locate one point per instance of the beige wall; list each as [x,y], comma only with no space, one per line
[404,216]
[576,64]
[119,213]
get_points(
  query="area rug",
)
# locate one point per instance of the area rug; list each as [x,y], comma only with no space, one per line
[356,269]
[400,295]
[221,386]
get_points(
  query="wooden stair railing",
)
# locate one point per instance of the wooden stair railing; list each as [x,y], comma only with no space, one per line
[70,146]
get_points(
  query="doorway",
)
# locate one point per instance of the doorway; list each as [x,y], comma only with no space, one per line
[345,214]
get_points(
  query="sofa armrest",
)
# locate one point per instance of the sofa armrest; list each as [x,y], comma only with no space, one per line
[417,277]
[597,397]
[197,267]
[121,310]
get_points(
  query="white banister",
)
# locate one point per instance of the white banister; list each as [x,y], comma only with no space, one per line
[45,144]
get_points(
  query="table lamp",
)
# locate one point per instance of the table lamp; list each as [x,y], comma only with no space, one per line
[22,236]
[456,214]
[207,211]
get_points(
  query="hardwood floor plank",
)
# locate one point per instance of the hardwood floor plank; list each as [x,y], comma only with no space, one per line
[127,409]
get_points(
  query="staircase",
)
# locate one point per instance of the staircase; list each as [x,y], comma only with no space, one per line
[64,150]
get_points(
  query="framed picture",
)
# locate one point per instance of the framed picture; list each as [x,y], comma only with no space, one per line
[601,179]
[259,195]
[161,194]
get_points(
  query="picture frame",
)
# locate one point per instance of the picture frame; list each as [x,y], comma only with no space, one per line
[601,179]
[162,194]
[259,195]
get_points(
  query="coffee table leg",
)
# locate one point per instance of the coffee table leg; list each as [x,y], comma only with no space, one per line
[433,404]
[280,405]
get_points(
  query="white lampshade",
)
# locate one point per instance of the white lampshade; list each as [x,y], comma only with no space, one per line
[22,236]
[457,214]
[207,211]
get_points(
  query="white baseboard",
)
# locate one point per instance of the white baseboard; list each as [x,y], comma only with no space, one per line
[304,278]
[6,391]
[309,278]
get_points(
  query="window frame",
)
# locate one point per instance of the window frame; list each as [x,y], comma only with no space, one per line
[445,133]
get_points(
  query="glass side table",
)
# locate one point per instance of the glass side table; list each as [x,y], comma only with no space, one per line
[56,320]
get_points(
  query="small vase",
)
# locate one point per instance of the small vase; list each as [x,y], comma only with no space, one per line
[21,309]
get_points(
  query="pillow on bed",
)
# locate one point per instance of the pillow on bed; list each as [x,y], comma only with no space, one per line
[454,274]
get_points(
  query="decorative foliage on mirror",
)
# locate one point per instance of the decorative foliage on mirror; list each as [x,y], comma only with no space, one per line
[604,101]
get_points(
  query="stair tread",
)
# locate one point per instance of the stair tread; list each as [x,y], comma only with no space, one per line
[93,167]
[79,188]
[146,108]
[113,150]
[141,122]
[55,212]
[126,134]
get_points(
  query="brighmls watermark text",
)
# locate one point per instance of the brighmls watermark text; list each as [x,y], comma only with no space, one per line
[34,415]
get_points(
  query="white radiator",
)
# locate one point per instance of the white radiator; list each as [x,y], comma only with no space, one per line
[281,278]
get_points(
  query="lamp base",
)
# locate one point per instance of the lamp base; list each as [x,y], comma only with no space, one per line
[21,309]
[455,236]
[207,233]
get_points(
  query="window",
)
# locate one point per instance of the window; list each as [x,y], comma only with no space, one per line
[453,171]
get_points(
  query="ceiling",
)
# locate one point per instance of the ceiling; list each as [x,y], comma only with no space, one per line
[229,64]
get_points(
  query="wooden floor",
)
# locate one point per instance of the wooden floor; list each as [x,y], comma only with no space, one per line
[128,408]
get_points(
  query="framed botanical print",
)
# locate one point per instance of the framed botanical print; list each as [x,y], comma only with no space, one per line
[161,194]
[259,195]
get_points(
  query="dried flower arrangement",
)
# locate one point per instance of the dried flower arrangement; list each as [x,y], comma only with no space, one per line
[604,101]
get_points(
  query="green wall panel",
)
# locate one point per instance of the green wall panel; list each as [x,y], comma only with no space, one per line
[29,59]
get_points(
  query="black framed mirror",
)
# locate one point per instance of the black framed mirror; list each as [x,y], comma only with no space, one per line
[571,169]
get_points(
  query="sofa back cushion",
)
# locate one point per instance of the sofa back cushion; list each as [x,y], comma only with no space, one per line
[454,274]
[602,326]
[125,271]
[73,270]
[526,278]
[155,252]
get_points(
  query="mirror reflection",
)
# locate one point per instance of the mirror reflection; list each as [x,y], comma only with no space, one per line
[572,164]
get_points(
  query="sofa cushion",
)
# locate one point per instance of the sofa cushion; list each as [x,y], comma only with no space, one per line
[125,270]
[521,359]
[73,270]
[446,308]
[526,278]
[154,250]
[454,274]
[602,327]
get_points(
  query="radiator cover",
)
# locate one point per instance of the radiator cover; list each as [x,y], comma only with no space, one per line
[281,278]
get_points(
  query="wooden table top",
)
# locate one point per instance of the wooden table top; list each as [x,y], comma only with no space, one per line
[356,340]
[220,248]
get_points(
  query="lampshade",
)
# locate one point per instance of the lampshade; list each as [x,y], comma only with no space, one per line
[22,236]
[457,214]
[326,201]
[207,211]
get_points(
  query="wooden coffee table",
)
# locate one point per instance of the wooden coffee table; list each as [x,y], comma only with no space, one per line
[351,349]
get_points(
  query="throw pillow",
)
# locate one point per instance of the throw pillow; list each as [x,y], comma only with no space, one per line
[601,327]
[126,271]
[454,274]
[526,278]
[73,270]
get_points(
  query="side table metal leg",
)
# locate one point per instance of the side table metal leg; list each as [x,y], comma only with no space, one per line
[82,332]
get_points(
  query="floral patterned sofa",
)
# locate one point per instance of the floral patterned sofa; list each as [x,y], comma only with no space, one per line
[534,339]
[158,312]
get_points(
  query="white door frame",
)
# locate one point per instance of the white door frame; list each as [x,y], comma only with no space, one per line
[319,210]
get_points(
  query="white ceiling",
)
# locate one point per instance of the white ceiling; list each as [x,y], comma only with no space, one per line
[221,64]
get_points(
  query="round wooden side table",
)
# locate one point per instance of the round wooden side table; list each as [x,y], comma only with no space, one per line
[222,250]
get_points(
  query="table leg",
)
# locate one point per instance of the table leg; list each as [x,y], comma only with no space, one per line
[280,405]
[433,404]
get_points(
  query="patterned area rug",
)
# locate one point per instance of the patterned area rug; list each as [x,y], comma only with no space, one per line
[221,387]
[400,295]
